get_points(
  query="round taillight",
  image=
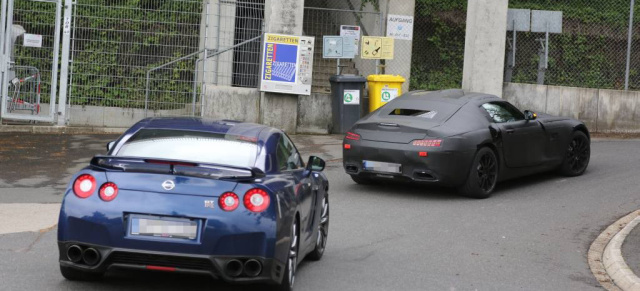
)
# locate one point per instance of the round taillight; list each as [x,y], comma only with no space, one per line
[108,191]
[256,200]
[228,201]
[84,185]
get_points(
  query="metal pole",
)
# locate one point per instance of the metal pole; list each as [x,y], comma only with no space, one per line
[629,45]
[6,53]
[204,78]
[64,66]
[146,94]
[338,67]
[3,36]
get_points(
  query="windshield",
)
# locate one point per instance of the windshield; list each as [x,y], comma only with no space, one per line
[193,146]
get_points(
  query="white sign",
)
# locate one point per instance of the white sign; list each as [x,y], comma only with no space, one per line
[351,30]
[351,97]
[338,47]
[32,40]
[287,64]
[388,94]
[67,26]
[400,27]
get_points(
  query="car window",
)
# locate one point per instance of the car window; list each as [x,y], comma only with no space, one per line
[287,154]
[192,146]
[501,112]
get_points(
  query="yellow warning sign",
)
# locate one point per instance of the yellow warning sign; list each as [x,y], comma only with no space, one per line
[377,48]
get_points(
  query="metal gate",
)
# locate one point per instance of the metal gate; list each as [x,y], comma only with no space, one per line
[29,49]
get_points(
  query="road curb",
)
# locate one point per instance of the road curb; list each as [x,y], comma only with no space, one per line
[605,256]
[47,129]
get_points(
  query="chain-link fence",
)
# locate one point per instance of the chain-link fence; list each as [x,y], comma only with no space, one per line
[590,52]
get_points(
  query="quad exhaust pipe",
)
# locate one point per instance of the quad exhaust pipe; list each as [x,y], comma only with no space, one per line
[74,254]
[234,268]
[91,256]
[252,268]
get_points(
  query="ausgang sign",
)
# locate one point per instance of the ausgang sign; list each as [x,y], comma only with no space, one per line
[400,27]
[287,64]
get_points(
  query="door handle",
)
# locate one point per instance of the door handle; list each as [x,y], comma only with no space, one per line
[510,131]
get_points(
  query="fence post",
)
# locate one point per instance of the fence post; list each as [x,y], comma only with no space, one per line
[64,66]
[629,45]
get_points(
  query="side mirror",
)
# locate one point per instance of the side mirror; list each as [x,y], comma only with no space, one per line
[110,145]
[530,115]
[315,164]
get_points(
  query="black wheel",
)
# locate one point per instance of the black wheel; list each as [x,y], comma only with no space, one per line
[289,277]
[323,231]
[361,180]
[72,274]
[577,156]
[483,175]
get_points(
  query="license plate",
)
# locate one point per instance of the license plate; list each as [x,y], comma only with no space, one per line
[167,227]
[382,167]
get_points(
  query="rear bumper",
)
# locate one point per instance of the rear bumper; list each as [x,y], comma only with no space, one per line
[215,266]
[444,165]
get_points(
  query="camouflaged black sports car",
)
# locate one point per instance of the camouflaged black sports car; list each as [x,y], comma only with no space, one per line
[465,140]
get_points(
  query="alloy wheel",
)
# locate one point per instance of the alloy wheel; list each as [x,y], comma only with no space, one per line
[323,228]
[578,154]
[487,172]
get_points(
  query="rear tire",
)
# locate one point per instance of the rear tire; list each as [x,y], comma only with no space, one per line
[361,180]
[72,274]
[323,231]
[577,156]
[291,267]
[483,175]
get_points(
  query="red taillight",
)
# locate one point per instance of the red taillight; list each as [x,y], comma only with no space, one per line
[256,200]
[84,185]
[108,191]
[423,154]
[228,201]
[428,143]
[347,146]
[352,136]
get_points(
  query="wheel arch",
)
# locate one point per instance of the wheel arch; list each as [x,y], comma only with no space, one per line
[583,128]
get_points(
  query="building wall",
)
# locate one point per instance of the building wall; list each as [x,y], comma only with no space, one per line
[601,110]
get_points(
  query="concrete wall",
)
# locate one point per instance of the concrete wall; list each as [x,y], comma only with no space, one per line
[98,116]
[231,103]
[217,31]
[601,110]
[312,113]
[485,46]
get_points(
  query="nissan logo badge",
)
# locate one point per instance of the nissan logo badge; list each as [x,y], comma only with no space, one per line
[168,185]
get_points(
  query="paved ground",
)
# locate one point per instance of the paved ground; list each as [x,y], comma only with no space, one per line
[631,250]
[532,235]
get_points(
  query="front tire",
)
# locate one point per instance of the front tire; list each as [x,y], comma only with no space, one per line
[72,274]
[323,231]
[289,277]
[483,175]
[577,156]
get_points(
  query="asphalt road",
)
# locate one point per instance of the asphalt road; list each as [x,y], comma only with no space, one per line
[533,234]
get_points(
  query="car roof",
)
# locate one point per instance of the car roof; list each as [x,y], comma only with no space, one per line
[201,124]
[453,96]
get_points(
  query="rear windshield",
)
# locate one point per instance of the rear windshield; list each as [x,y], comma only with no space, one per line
[192,146]
[420,110]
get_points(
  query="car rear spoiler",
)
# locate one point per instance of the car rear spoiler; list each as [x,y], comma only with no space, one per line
[175,167]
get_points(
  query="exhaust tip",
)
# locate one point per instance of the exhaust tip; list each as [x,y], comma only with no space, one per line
[74,253]
[91,256]
[252,268]
[233,268]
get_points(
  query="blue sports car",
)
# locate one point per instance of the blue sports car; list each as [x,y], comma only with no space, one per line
[229,199]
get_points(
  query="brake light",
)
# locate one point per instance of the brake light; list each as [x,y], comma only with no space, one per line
[228,201]
[84,185]
[427,143]
[352,136]
[108,191]
[256,200]
[347,146]
[423,154]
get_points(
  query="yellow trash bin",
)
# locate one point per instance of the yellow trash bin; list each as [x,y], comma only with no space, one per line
[382,89]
